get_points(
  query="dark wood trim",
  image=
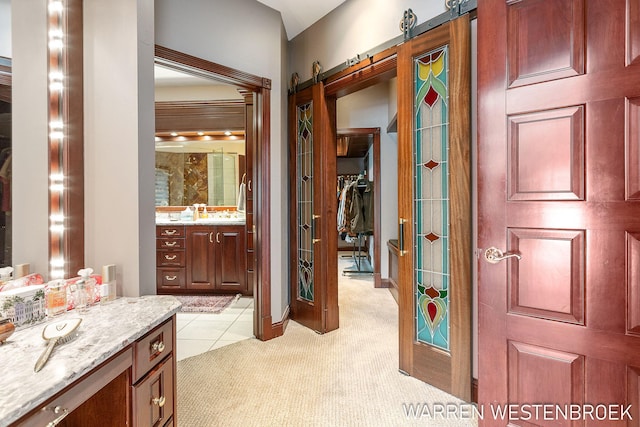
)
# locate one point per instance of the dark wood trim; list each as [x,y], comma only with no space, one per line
[197,66]
[377,211]
[74,143]
[262,209]
[377,69]
[262,129]
[220,115]
[385,283]
[474,390]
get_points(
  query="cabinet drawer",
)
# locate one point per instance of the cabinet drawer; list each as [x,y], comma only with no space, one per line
[170,231]
[152,348]
[153,396]
[169,243]
[170,258]
[170,278]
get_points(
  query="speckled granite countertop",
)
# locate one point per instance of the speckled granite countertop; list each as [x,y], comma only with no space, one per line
[104,331]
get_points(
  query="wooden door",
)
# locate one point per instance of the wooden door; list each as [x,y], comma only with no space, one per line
[314,277]
[559,195]
[200,253]
[231,268]
[434,207]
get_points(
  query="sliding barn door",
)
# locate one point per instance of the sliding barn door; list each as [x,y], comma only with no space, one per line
[313,288]
[434,207]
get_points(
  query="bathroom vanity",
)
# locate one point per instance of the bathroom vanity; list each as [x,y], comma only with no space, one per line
[202,257]
[119,370]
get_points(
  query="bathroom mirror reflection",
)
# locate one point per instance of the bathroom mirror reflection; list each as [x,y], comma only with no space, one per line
[199,144]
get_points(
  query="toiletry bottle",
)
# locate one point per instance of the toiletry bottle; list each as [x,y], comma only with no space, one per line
[56,297]
[108,287]
[86,290]
[205,214]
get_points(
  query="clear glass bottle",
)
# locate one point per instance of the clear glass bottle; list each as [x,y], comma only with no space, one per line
[56,298]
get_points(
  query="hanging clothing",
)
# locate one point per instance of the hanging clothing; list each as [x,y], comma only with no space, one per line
[355,209]
[363,217]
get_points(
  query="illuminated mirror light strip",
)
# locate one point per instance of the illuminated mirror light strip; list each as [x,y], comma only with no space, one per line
[57,118]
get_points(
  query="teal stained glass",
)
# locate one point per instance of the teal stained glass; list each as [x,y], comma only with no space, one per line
[304,179]
[431,198]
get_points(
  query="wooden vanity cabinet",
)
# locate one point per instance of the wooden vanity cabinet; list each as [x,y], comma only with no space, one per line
[216,259]
[170,258]
[201,259]
[134,387]
[153,377]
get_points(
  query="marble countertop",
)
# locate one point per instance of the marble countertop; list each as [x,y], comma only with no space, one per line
[207,221]
[105,330]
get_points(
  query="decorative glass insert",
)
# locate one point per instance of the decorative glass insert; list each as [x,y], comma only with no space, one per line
[304,178]
[431,198]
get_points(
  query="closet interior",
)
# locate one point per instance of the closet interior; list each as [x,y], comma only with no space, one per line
[355,197]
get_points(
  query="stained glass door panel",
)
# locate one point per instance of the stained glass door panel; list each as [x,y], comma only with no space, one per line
[304,182]
[431,198]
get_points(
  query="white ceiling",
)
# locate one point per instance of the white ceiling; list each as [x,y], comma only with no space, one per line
[298,15]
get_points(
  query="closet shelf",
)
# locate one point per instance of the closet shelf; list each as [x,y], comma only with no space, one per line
[393,124]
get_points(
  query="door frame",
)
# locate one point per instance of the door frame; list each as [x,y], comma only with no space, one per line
[261,88]
[374,133]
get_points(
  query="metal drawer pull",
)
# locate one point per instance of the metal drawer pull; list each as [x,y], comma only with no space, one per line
[495,255]
[170,244]
[249,186]
[170,232]
[211,237]
[157,347]
[58,410]
[160,401]
[170,257]
[171,277]
[218,237]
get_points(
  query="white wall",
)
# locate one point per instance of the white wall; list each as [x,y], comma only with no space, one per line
[5,28]
[353,28]
[365,109]
[248,36]
[119,141]
[30,162]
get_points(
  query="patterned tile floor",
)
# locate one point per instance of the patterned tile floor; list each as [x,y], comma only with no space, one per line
[200,332]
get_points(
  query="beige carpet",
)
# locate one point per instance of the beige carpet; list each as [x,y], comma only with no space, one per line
[348,377]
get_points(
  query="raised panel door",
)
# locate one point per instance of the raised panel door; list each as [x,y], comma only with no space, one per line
[231,265]
[200,258]
[558,89]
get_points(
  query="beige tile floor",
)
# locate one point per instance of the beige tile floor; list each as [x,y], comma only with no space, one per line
[200,332]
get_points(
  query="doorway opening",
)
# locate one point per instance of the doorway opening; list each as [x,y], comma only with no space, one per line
[255,112]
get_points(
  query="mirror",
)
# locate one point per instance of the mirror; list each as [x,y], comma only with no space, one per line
[5,133]
[200,146]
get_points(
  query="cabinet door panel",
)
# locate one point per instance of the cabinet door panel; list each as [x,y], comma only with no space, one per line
[200,264]
[153,397]
[231,257]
